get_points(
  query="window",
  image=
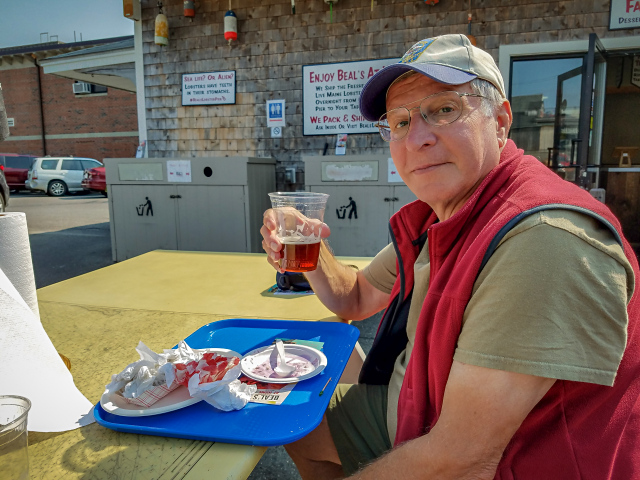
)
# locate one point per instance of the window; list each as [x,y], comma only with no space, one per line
[18,162]
[71,165]
[49,164]
[86,164]
[545,99]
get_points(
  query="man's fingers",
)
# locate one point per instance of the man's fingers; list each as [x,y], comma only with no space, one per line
[269,219]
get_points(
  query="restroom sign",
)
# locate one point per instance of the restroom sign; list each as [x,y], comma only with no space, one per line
[275,113]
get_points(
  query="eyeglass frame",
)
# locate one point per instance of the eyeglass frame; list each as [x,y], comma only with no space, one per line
[424,117]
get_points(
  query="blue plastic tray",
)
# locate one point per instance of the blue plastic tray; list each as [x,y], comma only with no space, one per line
[256,424]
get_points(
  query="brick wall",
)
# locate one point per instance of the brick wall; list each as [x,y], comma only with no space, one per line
[273,45]
[67,114]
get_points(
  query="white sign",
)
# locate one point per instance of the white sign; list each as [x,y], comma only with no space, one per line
[341,144]
[349,171]
[179,171]
[635,72]
[276,132]
[275,113]
[392,174]
[624,14]
[214,88]
[330,96]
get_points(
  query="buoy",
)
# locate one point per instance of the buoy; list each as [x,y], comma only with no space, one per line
[230,26]
[162,28]
[189,9]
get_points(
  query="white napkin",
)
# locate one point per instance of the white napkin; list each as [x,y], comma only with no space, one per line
[227,394]
[32,368]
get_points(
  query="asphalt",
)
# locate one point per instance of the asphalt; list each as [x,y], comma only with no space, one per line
[70,236]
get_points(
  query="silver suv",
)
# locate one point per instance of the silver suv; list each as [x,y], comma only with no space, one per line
[58,175]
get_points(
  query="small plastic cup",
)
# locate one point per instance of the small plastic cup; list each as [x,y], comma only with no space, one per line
[14,454]
[299,217]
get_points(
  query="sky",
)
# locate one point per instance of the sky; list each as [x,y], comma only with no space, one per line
[22,22]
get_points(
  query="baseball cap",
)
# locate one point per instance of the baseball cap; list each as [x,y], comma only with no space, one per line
[449,59]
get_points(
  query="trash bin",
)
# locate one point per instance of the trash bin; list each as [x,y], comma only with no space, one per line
[199,204]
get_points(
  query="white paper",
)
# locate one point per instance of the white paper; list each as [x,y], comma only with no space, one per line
[341,144]
[179,170]
[15,257]
[32,368]
[392,174]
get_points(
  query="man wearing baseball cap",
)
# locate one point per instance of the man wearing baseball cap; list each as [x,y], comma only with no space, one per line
[508,348]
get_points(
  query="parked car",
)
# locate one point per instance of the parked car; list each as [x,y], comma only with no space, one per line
[57,176]
[4,192]
[95,180]
[15,169]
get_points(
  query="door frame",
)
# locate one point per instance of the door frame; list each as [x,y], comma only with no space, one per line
[577,48]
[548,49]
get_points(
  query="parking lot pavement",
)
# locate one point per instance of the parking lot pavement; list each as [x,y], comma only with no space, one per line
[70,236]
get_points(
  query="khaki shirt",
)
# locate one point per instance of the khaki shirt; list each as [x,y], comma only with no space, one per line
[550,302]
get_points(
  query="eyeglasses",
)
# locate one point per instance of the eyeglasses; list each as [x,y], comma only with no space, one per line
[438,110]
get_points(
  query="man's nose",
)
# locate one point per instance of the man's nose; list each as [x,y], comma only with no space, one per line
[420,132]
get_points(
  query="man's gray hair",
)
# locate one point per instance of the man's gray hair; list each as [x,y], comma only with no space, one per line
[492,96]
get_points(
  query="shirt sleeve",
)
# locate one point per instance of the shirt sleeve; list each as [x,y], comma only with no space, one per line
[381,272]
[551,302]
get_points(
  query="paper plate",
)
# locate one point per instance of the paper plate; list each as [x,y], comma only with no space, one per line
[179,398]
[308,361]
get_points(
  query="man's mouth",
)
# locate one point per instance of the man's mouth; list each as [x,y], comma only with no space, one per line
[427,168]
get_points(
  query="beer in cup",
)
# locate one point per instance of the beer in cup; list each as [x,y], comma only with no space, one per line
[299,217]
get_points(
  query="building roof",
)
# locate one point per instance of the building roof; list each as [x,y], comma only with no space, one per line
[49,49]
[107,47]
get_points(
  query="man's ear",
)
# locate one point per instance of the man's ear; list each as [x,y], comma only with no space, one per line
[504,117]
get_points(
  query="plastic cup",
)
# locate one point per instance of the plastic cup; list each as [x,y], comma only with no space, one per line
[299,217]
[14,455]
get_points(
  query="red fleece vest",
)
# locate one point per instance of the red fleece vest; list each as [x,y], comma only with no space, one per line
[578,430]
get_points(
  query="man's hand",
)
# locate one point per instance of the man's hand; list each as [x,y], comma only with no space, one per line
[286,218]
[482,409]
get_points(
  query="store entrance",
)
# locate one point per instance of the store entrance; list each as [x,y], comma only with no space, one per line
[578,114]
[557,103]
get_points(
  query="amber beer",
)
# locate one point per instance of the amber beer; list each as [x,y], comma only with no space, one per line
[299,254]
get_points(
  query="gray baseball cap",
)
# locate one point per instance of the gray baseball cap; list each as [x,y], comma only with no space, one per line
[449,59]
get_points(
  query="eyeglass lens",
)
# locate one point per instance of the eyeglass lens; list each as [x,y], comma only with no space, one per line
[439,109]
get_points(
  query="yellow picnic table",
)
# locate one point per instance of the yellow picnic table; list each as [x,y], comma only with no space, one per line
[97,319]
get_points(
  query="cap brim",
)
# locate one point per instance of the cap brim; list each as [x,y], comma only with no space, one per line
[373,97]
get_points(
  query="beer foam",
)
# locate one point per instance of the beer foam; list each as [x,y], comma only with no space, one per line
[299,240]
[290,237]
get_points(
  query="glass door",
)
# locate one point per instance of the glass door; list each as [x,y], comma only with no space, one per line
[562,155]
[558,107]
[592,112]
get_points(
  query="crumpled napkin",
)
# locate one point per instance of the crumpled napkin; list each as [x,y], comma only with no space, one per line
[226,394]
[182,366]
[138,377]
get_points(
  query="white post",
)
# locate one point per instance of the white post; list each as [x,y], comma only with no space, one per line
[140,95]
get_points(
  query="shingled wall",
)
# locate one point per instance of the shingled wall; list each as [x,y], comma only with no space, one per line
[273,45]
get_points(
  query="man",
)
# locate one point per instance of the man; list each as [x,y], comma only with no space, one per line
[508,348]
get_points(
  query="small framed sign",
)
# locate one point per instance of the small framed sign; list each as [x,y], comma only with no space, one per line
[624,14]
[213,88]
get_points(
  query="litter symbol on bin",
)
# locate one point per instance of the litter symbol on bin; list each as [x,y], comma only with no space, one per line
[140,208]
[342,211]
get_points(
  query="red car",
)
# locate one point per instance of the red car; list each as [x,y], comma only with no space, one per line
[15,169]
[95,180]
